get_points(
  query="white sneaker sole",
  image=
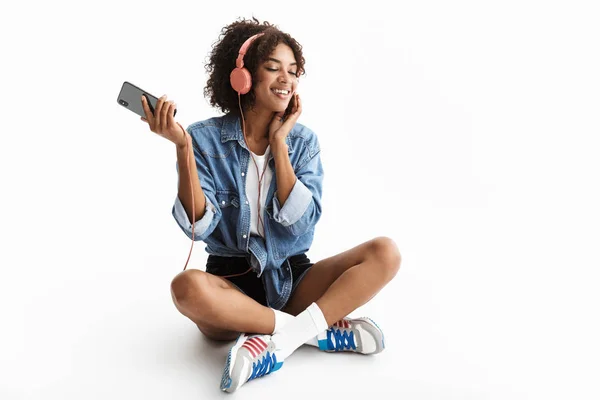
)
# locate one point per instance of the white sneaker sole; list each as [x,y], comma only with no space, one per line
[226,378]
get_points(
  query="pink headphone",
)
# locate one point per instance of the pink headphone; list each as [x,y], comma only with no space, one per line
[240,77]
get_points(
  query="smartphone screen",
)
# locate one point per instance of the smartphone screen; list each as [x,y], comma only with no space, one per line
[130,97]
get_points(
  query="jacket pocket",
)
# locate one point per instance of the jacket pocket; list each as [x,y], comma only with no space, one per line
[227,199]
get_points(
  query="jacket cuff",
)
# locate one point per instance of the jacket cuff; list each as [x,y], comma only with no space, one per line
[294,207]
[201,225]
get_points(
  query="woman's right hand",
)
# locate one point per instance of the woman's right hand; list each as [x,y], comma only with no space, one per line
[162,121]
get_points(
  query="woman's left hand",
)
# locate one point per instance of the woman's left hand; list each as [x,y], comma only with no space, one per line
[279,129]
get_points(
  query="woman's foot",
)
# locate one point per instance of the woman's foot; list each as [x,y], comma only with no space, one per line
[360,335]
[251,357]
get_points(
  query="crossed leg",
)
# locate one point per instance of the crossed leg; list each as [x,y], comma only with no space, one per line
[342,283]
[217,307]
[338,284]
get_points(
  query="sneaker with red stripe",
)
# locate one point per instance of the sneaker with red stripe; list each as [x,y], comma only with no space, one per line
[360,335]
[251,357]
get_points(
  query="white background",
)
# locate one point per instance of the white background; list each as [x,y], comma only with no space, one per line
[466,131]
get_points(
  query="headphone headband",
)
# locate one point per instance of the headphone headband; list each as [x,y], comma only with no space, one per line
[240,60]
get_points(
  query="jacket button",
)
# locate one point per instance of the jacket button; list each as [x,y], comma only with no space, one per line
[243,174]
[244,236]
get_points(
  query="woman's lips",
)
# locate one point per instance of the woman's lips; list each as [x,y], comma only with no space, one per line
[281,96]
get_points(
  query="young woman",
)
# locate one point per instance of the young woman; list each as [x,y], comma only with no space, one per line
[257,184]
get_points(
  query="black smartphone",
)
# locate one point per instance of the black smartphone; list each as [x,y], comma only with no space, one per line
[130,97]
[289,108]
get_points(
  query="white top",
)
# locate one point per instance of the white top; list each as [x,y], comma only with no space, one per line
[252,189]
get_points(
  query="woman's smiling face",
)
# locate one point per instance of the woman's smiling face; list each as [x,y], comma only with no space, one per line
[277,80]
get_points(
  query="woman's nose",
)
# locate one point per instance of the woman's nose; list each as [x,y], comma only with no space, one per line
[283,78]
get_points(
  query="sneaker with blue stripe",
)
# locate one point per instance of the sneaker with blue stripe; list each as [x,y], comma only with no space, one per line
[359,335]
[251,357]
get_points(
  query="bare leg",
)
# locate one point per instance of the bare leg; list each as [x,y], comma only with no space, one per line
[218,309]
[344,282]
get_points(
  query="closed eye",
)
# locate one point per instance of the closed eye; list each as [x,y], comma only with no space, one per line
[273,70]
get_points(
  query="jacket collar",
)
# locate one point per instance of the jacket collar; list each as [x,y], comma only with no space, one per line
[232,130]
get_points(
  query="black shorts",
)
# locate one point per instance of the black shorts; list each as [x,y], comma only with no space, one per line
[249,283]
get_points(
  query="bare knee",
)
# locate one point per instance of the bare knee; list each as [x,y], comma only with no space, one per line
[194,295]
[189,286]
[387,253]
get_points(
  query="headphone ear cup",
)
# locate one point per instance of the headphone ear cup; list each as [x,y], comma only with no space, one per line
[241,80]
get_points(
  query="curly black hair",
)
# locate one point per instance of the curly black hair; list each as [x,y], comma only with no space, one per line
[225,51]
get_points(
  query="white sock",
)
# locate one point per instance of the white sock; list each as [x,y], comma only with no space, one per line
[307,325]
[282,318]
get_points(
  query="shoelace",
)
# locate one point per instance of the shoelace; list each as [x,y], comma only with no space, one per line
[343,340]
[264,366]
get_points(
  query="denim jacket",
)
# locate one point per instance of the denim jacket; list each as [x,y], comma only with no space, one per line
[222,160]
